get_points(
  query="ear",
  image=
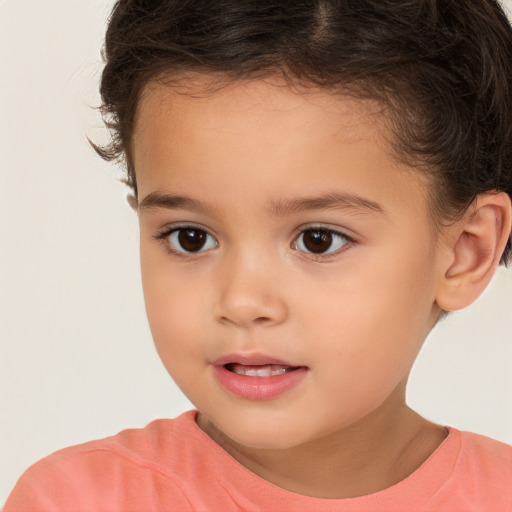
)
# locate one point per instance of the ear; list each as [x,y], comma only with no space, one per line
[472,250]
[132,201]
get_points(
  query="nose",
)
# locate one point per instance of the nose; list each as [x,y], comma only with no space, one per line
[249,294]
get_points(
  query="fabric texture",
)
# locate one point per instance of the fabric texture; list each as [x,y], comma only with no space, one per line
[171,465]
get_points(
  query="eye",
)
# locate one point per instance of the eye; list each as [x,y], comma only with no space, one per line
[189,240]
[320,241]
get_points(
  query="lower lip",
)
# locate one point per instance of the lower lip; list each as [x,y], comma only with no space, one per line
[258,388]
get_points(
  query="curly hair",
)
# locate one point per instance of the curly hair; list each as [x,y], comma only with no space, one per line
[442,68]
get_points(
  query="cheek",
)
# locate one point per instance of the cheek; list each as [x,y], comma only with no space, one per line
[173,307]
[374,319]
[177,332]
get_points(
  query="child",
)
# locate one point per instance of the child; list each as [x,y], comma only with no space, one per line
[317,184]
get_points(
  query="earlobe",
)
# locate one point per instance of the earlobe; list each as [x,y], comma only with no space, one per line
[132,201]
[476,244]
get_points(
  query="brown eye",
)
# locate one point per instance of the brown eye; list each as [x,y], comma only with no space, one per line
[320,241]
[191,240]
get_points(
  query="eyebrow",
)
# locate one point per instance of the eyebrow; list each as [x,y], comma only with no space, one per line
[280,208]
[172,202]
[334,201]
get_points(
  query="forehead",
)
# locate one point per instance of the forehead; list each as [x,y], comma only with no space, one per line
[247,94]
[263,129]
[240,107]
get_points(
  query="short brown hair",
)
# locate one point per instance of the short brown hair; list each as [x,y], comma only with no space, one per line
[443,69]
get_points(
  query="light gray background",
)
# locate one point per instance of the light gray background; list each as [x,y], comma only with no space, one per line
[76,356]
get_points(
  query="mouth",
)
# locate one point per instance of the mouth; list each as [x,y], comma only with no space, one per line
[260,370]
[256,376]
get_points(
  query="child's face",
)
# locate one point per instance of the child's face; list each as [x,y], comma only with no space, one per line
[259,166]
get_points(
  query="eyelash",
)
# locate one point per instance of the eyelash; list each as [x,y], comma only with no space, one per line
[333,232]
[164,235]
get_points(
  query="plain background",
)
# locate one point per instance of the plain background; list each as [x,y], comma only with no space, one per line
[76,356]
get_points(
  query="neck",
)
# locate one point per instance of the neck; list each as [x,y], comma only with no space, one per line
[370,455]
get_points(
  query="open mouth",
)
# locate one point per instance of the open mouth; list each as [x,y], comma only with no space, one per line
[257,376]
[264,370]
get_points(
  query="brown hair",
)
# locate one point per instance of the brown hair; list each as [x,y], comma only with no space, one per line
[442,68]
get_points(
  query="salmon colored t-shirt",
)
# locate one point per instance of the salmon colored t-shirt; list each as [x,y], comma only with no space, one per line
[171,465]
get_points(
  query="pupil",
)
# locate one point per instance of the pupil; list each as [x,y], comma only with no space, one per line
[191,239]
[317,240]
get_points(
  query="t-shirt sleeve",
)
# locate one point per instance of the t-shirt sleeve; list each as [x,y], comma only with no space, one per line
[97,481]
[46,486]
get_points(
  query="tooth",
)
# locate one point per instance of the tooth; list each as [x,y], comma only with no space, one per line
[260,371]
[263,371]
[279,370]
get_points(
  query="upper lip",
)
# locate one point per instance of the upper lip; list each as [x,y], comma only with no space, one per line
[250,360]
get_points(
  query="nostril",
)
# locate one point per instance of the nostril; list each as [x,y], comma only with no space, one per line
[239,320]
[244,308]
[262,319]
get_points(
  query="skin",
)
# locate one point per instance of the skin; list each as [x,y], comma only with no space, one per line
[356,318]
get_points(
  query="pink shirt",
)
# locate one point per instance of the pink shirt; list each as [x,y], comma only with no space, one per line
[171,465]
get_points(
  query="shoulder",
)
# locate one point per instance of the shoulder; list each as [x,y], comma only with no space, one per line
[480,476]
[483,457]
[134,468]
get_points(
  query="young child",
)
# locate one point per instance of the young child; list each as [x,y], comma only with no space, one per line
[318,183]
